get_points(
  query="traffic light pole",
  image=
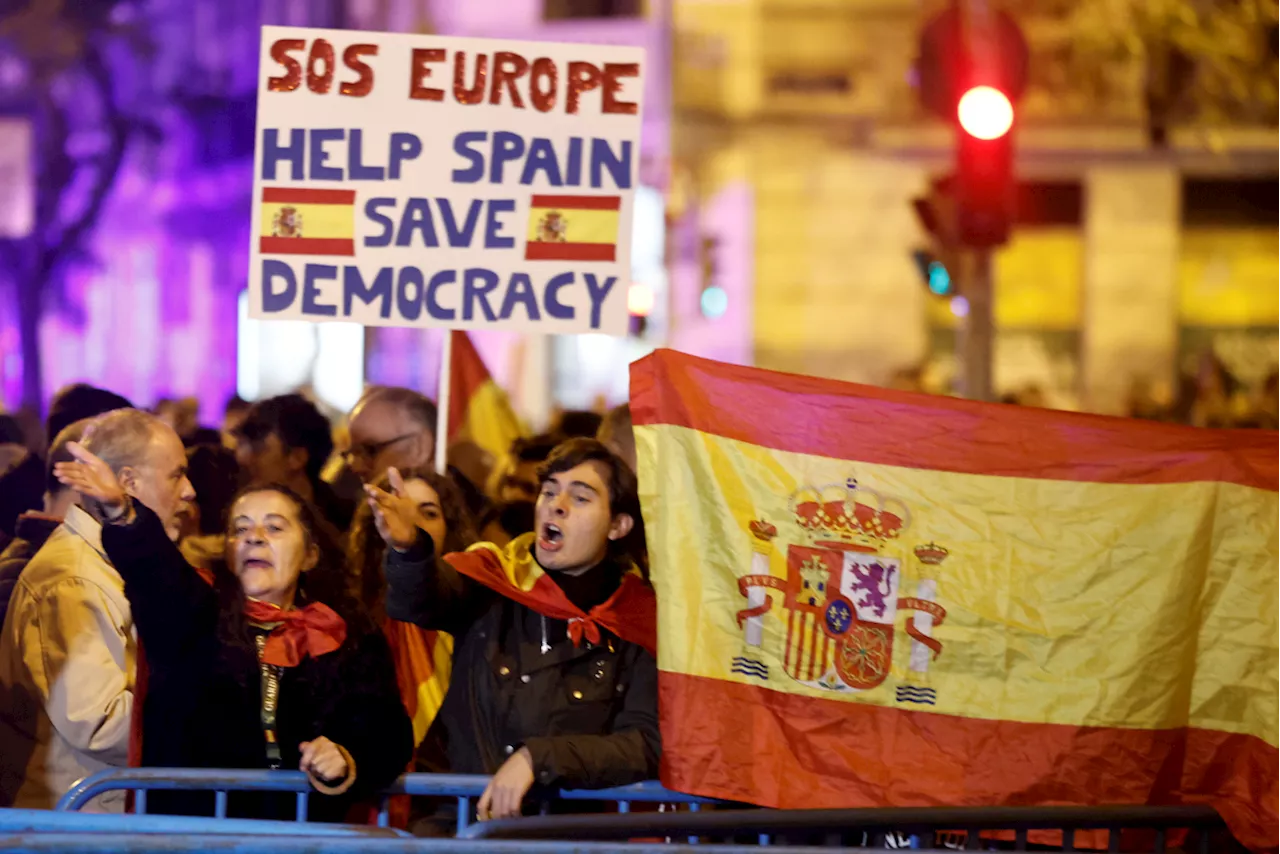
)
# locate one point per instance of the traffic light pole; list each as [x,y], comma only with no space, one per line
[979,329]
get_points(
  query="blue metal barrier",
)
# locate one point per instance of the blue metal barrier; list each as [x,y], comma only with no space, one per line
[23,821]
[464,787]
[836,824]
[22,830]
[106,843]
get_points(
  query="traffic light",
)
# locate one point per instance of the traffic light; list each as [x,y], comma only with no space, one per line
[714,300]
[936,264]
[972,70]
[937,278]
[985,113]
[984,167]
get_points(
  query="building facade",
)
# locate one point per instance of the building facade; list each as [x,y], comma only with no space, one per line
[804,113]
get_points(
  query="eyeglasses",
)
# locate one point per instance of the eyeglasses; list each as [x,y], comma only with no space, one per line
[370,450]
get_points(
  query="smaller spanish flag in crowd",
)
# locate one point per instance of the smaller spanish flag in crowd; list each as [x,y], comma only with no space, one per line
[307,222]
[479,409]
[573,228]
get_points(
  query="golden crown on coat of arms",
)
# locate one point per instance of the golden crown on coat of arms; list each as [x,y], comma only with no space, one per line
[931,554]
[849,516]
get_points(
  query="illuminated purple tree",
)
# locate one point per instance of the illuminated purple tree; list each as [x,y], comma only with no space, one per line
[62,64]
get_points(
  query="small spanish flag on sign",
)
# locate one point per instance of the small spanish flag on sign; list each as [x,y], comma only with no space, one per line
[307,222]
[573,228]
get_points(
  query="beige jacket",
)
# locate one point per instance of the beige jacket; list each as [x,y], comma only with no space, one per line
[67,665]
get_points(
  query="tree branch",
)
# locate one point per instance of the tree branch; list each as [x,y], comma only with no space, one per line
[108,170]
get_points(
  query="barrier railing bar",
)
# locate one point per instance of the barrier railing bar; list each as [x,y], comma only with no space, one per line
[467,786]
[220,804]
[47,821]
[464,814]
[140,802]
[300,808]
[1020,839]
[384,811]
[1160,841]
[114,843]
[914,820]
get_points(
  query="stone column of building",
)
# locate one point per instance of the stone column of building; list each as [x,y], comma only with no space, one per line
[836,293]
[1130,305]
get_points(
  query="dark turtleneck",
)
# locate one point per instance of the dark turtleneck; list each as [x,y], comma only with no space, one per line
[591,588]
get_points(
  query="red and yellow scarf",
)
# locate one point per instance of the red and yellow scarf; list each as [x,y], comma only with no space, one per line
[631,612]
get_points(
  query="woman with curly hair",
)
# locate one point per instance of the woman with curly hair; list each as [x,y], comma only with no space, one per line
[272,666]
[422,658]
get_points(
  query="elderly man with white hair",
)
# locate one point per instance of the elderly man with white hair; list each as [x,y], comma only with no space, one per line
[68,649]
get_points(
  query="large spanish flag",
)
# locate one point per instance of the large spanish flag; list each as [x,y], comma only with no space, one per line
[573,228]
[479,409]
[872,598]
[306,221]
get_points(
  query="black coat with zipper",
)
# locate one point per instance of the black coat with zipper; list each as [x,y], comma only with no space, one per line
[588,715]
[203,703]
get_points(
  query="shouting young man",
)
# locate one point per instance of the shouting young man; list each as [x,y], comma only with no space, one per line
[554,679]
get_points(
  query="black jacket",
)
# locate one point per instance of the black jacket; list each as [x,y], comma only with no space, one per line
[588,715]
[202,707]
[32,530]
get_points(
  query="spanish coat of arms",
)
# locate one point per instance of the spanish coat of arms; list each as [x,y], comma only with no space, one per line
[842,594]
[552,228]
[287,222]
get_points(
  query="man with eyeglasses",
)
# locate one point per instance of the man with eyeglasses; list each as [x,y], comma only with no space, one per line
[396,427]
[390,427]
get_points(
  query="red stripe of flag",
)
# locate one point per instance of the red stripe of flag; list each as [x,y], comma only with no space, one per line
[867,748]
[535,251]
[306,246]
[308,196]
[580,203]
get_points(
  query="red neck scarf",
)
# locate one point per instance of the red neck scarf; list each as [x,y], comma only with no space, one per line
[313,630]
[631,612]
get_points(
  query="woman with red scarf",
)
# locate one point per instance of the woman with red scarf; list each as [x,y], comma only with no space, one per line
[273,666]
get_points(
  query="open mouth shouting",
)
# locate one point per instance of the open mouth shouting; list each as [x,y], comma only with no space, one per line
[550,537]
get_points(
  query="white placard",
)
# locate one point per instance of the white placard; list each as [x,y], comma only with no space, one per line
[394,185]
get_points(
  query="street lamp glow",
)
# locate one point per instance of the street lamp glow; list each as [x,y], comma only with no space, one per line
[985,113]
[640,299]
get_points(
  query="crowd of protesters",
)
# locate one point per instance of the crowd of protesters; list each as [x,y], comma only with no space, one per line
[280,594]
[179,596]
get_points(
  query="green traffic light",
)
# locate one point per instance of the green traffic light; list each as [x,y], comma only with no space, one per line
[939,279]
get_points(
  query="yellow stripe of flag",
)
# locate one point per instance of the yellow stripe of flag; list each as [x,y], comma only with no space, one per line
[279,219]
[573,219]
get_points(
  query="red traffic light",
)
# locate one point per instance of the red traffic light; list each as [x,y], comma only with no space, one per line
[985,113]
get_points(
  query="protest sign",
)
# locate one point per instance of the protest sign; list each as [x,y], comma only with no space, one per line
[430,181]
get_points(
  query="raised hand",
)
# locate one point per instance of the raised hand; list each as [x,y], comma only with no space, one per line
[94,480]
[394,514]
